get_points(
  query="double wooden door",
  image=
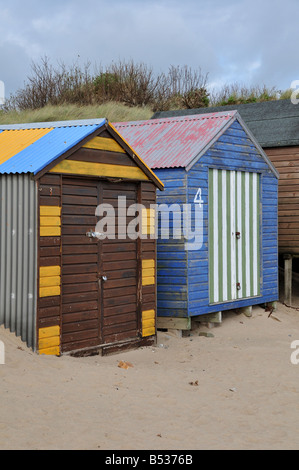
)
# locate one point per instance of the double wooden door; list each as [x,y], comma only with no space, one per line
[234,235]
[99,276]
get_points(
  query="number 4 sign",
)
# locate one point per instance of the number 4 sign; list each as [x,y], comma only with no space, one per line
[198,199]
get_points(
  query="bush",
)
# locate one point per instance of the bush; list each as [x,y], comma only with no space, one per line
[133,84]
[241,94]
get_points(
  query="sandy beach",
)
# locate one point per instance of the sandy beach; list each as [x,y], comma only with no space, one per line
[228,387]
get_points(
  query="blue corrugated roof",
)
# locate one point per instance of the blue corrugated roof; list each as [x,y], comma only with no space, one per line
[63,137]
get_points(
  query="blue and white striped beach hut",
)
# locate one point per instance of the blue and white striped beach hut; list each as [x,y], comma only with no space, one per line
[212,164]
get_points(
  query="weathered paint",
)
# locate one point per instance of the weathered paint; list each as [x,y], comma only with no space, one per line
[50,221]
[49,285]
[234,225]
[148,272]
[49,341]
[173,142]
[102,143]
[184,277]
[99,169]
[148,323]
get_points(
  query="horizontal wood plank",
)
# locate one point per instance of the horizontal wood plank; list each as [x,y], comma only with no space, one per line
[99,169]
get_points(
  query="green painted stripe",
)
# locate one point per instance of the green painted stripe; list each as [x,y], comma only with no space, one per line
[251,248]
[220,228]
[234,207]
[258,233]
[211,236]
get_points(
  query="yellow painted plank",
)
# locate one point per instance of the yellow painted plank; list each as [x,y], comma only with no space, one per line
[45,343]
[99,169]
[148,331]
[50,231]
[55,351]
[50,281]
[148,323]
[49,331]
[102,143]
[148,315]
[148,263]
[50,210]
[14,141]
[148,272]
[50,221]
[49,291]
[148,221]
[148,281]
[47,271]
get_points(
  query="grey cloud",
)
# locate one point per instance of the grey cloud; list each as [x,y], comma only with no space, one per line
[246,41]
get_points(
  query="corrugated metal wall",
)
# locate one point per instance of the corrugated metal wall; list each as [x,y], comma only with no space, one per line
[18,255]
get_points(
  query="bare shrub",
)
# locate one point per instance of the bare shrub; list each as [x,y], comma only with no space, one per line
[237,93]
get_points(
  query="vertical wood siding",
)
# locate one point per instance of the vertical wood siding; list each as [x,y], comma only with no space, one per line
[49,308]
[286,161]
[148,255]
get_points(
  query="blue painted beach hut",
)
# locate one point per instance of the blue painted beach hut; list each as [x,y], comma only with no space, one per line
[221,200]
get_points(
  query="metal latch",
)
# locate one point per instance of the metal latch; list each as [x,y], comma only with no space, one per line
[93,234]
[238,286]
[238,235]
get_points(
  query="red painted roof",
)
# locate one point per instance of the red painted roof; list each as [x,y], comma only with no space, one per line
[177,141]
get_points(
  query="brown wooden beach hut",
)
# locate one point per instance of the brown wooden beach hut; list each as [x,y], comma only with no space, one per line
[64,287]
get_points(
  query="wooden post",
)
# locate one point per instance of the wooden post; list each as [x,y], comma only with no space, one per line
[247,311]
[174,323]
[288,279]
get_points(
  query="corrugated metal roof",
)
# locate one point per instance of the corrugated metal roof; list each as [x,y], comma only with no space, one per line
[31,148]
[174,142]
[273,123]
[13,142]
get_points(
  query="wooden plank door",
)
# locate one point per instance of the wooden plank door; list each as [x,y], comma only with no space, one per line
[234,235]
[120,266]
[80,259]
[99,277]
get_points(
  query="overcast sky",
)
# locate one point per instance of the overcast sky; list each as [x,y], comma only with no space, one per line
[246,41]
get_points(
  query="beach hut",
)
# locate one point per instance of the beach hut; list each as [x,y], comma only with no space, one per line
[219,251]
[67,286]
[275,125]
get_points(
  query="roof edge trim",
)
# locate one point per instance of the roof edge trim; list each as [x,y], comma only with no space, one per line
[54,124]
[257,145]
[140,162]
[212,141]
[68,151]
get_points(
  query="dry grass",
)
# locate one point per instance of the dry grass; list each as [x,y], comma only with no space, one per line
[114,112]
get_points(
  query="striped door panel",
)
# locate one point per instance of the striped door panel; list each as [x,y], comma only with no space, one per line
[234,235]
